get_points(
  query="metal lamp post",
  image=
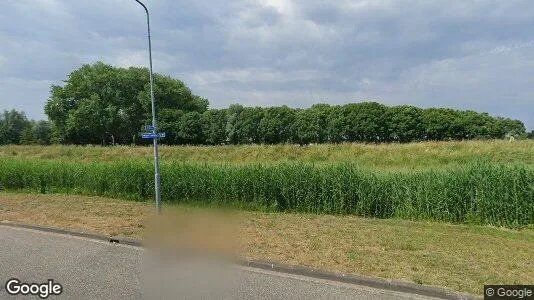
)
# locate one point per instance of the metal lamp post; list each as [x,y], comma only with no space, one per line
[157,178]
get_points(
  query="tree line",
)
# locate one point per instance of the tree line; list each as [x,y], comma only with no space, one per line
[321,123]
[102,104]
[368,122]
[16,128]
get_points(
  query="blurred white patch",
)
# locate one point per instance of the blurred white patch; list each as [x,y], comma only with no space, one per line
[165,277]
[191,254]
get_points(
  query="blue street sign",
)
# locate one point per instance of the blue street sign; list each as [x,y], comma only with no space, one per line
[149,128]
[151,135]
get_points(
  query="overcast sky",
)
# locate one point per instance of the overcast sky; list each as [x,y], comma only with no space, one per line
[466,54]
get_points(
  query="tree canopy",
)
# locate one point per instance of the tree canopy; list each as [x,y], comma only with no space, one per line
[367,122]
[101,104]
[16,128]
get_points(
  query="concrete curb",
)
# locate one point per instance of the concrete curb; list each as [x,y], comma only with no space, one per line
[88,235]
[378,283]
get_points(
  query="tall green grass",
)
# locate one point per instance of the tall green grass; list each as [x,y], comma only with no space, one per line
[480,193]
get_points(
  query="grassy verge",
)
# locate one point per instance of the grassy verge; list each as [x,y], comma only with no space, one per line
[384,156]
[460,257]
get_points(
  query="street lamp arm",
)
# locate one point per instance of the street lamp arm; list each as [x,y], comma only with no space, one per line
[143,5]
[150,59]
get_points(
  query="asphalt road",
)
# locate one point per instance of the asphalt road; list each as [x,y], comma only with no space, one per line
[89,269]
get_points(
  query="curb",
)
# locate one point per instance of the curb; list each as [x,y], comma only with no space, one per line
[82,234]
[378,283]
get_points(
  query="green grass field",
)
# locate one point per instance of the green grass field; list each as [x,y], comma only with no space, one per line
[397,188]
[486,183]
[387,156]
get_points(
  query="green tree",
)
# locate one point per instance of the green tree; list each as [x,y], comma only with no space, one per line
[512,127]
[12,126]
[438,124]
[213,125]
[43,132]
[405,124]
[277,125]
[365,122]
[119,99]
[475,125]
[88,123]
[336,125]
[247,125]
[311,125]
[191,129]
[230,128]
[170,123]
[28,134]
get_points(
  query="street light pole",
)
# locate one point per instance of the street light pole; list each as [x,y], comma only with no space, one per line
[157,178]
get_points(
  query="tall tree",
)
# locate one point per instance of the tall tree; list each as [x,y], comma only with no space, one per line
[277,125]
[12,126]
[214,126]
[311,125]
[191,128]
[232,115]
[336,131]
[512,127]
[28,135]
[170,123]
[405,124]
[247,126]
[438,124]
[114,101]
[365,122]
[43,132]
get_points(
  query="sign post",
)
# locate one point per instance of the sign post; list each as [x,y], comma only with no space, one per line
[157,179]
[153,135]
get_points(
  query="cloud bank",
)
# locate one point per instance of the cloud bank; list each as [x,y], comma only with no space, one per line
[475,55]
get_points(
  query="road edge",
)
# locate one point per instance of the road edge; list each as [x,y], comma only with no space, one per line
[373,282]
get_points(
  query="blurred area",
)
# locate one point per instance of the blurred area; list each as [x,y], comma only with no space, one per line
[191,253]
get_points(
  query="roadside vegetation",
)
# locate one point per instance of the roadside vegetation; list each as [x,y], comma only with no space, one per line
[459,182]
[477,193]
[460,257]
[399,167]
[412,156]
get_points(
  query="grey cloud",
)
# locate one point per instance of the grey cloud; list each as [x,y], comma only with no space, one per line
[465,54]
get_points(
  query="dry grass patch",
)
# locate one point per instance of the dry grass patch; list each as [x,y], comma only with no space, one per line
[93,214]
[463,258]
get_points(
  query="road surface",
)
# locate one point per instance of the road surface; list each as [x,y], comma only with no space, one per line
[90,269]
